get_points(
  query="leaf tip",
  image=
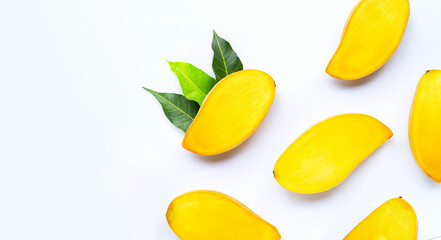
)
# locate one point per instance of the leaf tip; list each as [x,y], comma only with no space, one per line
[169,63]
[215,34]
[148,90]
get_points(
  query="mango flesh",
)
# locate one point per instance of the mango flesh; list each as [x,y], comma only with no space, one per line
[371,35]
[328,152]
[230,113]
[425,124]
[202,215]
[393,220]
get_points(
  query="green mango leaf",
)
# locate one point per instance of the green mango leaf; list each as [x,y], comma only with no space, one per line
[195,83]
[225,60]
[178,109]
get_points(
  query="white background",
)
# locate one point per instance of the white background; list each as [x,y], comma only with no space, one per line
[86,153]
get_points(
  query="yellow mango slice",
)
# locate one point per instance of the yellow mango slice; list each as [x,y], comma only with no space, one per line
[394,220]
[425,124]
[203,215]
[371,35]
[230,113]
[328,152]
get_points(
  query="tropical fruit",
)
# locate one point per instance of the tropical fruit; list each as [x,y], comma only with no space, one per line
[230,113]
[371,35]
[202,215]
[425,124]
[328,152]
[393,220]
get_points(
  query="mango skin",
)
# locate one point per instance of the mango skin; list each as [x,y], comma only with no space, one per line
[328,152]
[371,36]
[425,124]
[230,113]
[202,215]
[393,220]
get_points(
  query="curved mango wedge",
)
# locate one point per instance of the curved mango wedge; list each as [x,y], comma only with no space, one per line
[230,113]
[202,215]
[425,124]
[371,35]
[327,153]
[395,219]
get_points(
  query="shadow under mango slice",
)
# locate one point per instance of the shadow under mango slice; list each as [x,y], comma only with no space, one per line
[371,35]
[230,113]
[203,215]
[394,219]
[328,152]
[425,124]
